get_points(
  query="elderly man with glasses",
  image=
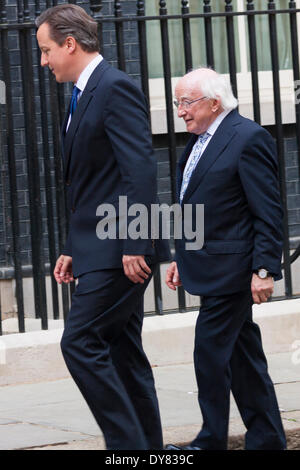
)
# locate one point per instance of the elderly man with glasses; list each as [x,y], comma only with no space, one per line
[230,166]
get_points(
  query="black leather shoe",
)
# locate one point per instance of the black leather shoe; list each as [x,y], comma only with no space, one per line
[188,447]
[172,447]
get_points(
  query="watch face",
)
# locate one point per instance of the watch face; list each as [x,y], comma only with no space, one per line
[262,273]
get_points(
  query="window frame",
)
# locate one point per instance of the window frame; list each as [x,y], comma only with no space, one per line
[244,85]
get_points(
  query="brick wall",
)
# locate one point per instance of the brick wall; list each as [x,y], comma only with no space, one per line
[293,187]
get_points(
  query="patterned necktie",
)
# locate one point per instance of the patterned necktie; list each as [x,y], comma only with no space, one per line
[74,99]
[192,162]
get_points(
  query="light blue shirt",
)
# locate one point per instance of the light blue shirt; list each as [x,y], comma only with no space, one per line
[193,159]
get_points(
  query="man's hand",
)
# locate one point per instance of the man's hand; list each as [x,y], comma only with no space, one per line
[261,289]
[172,276]
[136,268]
[63,270]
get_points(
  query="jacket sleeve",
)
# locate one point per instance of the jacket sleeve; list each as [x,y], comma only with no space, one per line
[258,169]
[127,126]
[67,250]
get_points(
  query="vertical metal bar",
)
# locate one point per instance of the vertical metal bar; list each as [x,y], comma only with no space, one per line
[143,51]
[59,182]
[61,92]
[170,117]
[57,111]
[296,71]
[208,35]
[16,249]
[280,144]
[145,87]
[168,95]
[119,37]
[253,62]
[157,291]
[38,265]
[0,155]
[19,11]
[296,74]
[48,180]
[231,46]
[96,7]
[0,307]
[186,36]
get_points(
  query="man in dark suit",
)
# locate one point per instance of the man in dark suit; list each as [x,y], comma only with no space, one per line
[230,166]
[107,153]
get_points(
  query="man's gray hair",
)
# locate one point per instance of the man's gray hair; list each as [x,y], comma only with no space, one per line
[218,86]
[71,20]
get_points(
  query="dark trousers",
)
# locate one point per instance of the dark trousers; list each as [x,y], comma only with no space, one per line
[228,356]
[103,351]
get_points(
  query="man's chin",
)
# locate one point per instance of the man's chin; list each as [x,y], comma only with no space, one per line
[189,126]
[59,79]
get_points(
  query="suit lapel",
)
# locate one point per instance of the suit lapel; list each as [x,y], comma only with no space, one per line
[69,136]
[86,97]
[182,162]
[62,138]
[214,149]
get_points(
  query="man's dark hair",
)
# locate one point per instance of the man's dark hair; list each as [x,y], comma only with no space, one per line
[71,20]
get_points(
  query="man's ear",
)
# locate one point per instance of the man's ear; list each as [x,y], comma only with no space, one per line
[70,44]
[216,105]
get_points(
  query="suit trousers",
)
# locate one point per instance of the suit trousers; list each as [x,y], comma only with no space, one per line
[228,355]
[103,351]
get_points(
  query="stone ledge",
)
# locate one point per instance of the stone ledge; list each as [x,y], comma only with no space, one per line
[168,339]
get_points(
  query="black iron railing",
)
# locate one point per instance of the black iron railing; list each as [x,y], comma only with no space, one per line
[44,103]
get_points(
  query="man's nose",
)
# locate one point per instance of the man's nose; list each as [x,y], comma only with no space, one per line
[44,61]
[181,111]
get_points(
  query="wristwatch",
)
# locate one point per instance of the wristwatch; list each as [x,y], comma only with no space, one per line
[263,273]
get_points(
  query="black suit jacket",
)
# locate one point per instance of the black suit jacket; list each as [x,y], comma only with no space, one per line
[236,179]
[107,153]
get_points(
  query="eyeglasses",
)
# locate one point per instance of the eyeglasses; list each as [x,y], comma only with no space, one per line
[185,104]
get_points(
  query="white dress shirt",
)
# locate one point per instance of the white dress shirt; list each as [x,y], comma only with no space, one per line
[211,130]
[84,77]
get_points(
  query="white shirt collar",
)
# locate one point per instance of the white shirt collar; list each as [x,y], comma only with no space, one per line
[87,72]
[215,124]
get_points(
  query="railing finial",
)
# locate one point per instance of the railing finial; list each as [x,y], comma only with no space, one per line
[162,7]
[96,7]
[140,8]
[3,14]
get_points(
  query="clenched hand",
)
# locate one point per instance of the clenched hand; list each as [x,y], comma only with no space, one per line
[136,268]
[63,270]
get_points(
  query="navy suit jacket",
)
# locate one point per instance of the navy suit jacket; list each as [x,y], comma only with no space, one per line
[107,153]
[236,179]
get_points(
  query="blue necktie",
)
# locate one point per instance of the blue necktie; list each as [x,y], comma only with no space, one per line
[192,162]
[74,99]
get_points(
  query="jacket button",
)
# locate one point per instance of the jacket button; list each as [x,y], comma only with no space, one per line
[68,182]
[73,209]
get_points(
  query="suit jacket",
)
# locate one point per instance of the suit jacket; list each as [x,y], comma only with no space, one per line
[107,153]
[236,179]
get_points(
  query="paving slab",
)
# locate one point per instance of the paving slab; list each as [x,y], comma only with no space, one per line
[57,404]
[25,435]
[53,415]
